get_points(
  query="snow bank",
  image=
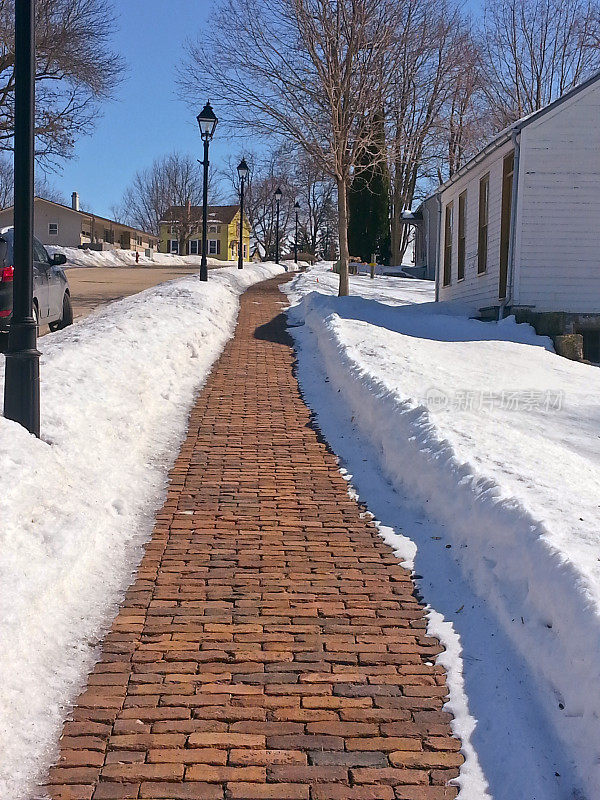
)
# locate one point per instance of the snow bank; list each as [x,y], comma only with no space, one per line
[495,438]
[77,506]
[77,257]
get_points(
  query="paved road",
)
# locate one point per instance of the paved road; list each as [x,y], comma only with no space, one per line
[271,645]
[92,287]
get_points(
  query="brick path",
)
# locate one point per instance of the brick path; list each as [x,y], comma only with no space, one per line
[271,645]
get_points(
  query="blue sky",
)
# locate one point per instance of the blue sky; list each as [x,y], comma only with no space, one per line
[146,119]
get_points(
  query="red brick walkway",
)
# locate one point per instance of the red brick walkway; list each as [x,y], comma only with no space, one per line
[271,645]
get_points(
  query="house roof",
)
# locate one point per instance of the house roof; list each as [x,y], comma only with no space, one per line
[222,214]
[90,216]
[514,128]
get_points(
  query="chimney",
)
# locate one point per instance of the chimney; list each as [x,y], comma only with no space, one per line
[75,201]
[188,208]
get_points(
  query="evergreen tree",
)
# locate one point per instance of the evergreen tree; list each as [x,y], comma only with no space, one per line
[368,204]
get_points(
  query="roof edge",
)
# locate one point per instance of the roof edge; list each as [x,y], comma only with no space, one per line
[89,214]
[516,127]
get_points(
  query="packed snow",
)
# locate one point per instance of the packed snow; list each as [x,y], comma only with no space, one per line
[479,444]
[77,506]
[83,257]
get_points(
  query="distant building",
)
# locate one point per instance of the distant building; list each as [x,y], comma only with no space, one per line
[68,226]
[181,232]
[515,230]
[425,221]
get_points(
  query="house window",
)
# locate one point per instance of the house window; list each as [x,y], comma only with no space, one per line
[462,234]
[508,166]
[174,246]
[484,209]
[591,345]
[194,247]
[214,247]
[214,229]
[53,229]
[448,232]
[173,230]
[245,251]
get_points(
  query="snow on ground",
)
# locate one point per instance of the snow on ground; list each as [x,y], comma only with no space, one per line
[77,506]
[77,257]
[481,445]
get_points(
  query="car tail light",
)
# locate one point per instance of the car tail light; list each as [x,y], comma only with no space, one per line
[7,275]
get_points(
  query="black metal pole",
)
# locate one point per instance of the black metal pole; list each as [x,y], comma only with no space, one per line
[203,262]
[277,236]
[22,378]
[296,240]
[241,246]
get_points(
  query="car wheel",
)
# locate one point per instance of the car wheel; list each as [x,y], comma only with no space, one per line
[67,315]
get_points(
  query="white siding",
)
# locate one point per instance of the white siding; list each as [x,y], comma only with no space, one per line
[475,290]
[557,263]
[430,232]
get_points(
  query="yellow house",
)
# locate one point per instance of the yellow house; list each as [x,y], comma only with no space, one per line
[181,232]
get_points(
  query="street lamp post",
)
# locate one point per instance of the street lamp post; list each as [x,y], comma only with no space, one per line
[296,209]
[243,172]
[207,123]
[22,377]
[278,196]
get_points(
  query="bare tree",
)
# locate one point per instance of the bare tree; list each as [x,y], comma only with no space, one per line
[430,49]
[269,173]
[316,193]
[465,119]
[75,71]
[314,72]
[534,51]
[172,181]
[300,180]
[43,188]
[7,183]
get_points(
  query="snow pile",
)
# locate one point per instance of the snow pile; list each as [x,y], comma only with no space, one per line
[77,506]
[77,257]
[495,439]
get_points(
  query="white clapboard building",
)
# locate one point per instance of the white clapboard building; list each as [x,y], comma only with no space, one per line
[518,227]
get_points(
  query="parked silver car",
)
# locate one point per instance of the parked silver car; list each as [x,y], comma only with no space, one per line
[51,293]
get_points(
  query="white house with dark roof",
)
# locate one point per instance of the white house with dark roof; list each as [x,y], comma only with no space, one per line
[518,227]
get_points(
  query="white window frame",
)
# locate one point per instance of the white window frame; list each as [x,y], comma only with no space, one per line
[214,247]
[195,247]
[53,225]
[174,246]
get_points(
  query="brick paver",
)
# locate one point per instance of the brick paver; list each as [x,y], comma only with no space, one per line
[271,645]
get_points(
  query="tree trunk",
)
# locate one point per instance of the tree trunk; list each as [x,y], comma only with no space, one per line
[396,223]
[343,234]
